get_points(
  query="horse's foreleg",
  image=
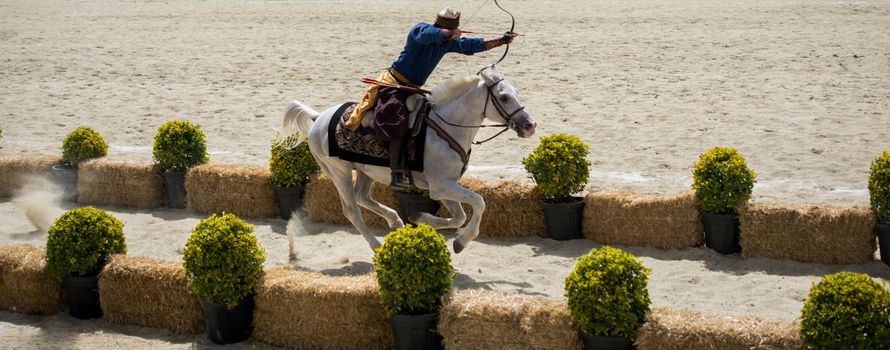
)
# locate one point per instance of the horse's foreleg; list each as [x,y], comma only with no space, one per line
[453,191]
[342,179]
[363,197]
[457,219]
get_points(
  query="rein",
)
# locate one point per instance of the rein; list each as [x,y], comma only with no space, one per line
[497,105]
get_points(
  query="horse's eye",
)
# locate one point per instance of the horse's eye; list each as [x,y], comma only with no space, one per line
[504,99]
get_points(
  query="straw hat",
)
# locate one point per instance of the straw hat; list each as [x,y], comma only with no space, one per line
[448,18]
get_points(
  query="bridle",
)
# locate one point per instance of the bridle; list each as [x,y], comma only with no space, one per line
[508,117]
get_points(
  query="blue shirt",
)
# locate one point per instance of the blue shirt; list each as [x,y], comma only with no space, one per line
[424,49]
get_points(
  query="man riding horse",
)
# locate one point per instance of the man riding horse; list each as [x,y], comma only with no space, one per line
[424,48]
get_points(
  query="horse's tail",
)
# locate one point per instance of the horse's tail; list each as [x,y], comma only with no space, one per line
[298,118]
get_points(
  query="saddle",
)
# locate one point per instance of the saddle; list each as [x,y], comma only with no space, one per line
[417,104]
[361,146]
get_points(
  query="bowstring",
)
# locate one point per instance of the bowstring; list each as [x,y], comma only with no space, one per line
[464,57]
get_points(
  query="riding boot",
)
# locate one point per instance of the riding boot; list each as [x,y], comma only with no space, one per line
[401,178]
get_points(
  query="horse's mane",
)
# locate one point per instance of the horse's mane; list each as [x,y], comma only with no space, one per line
[452,88]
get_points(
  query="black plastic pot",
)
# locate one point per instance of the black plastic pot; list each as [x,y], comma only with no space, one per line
[66,177]
[83,296]
[412,204]
[416,332]
[228,326]
[883,231]
[174,182]
[563,219]
[722,232]
[602,342]
[289,199]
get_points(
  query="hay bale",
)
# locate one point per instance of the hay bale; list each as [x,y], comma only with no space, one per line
[120,183]
[148,292]
[511,208]
[667,329]
[322,203]
[25,284]
[651,221]
[307,310]
[15,171]
[483,319]
[817,234]
[243,191]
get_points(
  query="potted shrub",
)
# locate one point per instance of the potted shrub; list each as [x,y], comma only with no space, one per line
[291,164]
[559,167]
[879,197]
[223,262]
[178,146]
[414,273]
[608,298]
[414,202]
[846,311]
[81,144]
[722,182]
[77,247]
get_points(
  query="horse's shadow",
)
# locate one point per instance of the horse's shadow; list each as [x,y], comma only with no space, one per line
[464,281]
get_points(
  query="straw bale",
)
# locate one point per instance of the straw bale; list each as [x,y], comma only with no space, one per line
[15,170]
[817,234]
[148,292]
[307,310]
[667,329]
[484,319]
[25,284]
[120,183]
[651,221]
[322,202]
[511,208]
[244,191]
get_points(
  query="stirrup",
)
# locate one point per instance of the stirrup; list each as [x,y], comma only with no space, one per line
[401,180]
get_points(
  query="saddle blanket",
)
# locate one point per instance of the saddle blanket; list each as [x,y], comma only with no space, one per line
[361,146]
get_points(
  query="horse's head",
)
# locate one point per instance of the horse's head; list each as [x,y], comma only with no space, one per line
[503,106]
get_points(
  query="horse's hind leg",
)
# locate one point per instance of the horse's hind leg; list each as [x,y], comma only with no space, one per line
[342,178]
[458,217]
[363,197]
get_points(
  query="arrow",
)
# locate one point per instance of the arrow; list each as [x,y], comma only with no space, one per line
[487,33]
[372,81]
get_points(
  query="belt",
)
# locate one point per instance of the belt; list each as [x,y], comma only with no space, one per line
[401,78]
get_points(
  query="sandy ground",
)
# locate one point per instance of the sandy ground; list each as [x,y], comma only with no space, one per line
[801,88]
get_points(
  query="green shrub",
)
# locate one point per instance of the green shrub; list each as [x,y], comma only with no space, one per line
[559,166]
[607,293]
[291,165]
[879,186]
[179,145]
[413,270]
[846,311]
[721,180]
[81,144]
[223,260]
[80,241]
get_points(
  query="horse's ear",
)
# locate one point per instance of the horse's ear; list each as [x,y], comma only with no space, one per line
[488,74]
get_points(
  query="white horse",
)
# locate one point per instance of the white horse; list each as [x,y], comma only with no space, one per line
[459,108]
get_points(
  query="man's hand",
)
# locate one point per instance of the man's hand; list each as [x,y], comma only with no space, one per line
[508,38]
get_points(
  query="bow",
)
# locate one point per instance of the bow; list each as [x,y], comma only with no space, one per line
[512,26]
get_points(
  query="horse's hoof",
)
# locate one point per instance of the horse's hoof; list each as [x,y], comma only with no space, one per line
[458,247]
